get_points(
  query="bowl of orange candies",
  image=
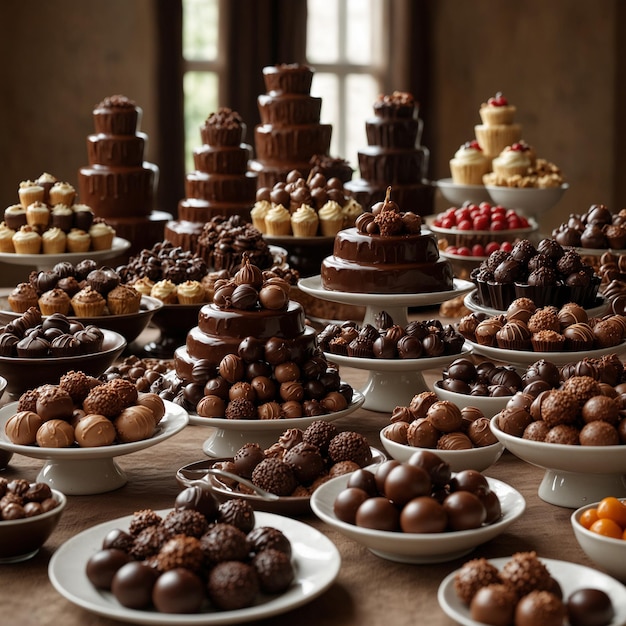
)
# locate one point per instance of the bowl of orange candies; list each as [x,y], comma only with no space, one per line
[600,529]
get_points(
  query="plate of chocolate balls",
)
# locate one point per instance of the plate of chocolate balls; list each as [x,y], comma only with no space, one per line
[392,510]
[586,596]
[258,570]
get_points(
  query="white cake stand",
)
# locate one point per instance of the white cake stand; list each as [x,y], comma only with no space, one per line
[86,471]
[230,435]
[393,382]
[393,304]
[48,261]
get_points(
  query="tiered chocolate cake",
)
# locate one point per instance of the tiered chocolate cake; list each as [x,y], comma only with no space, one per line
[386,252]
[220,184]
[290,133]
[118,184]
[394,156]
[255,308]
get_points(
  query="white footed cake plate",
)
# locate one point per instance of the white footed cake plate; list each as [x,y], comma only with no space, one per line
[393,382]
[87,471]
[48,261]
[230,435]
[395,304]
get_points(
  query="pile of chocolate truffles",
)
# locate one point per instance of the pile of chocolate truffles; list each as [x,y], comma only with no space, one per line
[387,340]
[32,336]
[597,228]
[300,461]
[418,496]
[199,555]
[524,593]
[20,499]
[83,412]
[482,379]
[428,422]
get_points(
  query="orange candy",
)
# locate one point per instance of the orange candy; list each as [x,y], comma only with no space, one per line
[607,528]
[613,509]
[588,517]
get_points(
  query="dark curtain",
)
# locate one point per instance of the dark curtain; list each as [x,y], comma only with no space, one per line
[258,33]
[170,113]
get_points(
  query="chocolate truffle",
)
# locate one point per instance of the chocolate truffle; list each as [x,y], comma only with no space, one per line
[524,573]
[55,433]
[599,433]
[266,538]
[445,416]
[178,591]
[590,607]
[472,576]
[232,585]
[422,434]
[274,476]
[540,607]
[238,513]
[94,431]
[480,434]
[224,542]
[134,423]
[247,458]
[21,428]
[102,566]
[306,462]
[350,446]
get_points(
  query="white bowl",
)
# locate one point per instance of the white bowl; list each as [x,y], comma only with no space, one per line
[418,547]
[575,475]
[478,459]
[606,552]
[489,406]
[458,194]
[531,201]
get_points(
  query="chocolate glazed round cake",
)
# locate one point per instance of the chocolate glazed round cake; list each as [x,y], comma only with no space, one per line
[258,309]
[386,252]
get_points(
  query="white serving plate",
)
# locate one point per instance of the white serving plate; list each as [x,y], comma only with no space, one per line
[570,576]
[316,560]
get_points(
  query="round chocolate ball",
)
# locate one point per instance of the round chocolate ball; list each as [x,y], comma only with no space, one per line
[178,590]
[462,369]
[405,482]
[365,480]
[379,514]
[132,585]
[465,510]
[381,473]
[423,515]
[590,607]
[438,470]
[348,502]
[103,565]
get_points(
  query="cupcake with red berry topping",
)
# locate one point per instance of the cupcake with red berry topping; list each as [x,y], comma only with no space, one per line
[469,164]
[514,159]
[497,110]
[497,130]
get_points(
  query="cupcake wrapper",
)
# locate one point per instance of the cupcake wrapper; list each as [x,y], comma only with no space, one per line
[541,296]
[514,345]
[501,295]
[578,346]
[547,346]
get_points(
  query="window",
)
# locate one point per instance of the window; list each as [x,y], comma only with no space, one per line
[344,45]
[200,67]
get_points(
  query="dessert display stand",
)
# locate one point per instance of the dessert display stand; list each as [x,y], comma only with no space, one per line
[48,261]
[391,382]
[87,471]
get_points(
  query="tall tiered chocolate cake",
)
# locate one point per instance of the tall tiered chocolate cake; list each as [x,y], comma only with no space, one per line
[220,184]
[394,156]
[118,184]
[290,133]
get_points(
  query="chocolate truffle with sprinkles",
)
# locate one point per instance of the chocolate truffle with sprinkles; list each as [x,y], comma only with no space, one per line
[238,513]
[320,433]
[148,542]
[274,476]
[185,522]
[274,570]
[224,542]
[233,585]
[350,446]
[473,575]
[181,551]
[142,519]
[524,573]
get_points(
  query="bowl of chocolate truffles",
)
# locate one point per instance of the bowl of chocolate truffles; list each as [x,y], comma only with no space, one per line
[395,511]
[461,437]
[29,516]
[483,385]
[546,273]
[599,529]
[290,470]
[85,292]
[576,432]
[35,350]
